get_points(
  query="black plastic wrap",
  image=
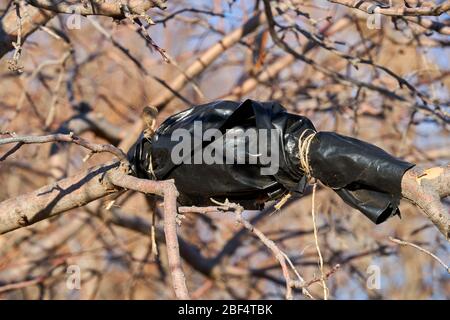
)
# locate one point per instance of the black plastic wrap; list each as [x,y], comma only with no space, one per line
[364,176]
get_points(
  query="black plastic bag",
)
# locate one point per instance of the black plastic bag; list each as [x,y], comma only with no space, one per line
[364,176]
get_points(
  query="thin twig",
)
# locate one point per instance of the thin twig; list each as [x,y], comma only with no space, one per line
[302,284]
[32,282]
[277,252]
[58,137]
[56,91]
[370,8]
[14,62]
[407,243]
[425,188]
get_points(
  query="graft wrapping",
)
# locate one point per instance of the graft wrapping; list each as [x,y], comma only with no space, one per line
[363,175]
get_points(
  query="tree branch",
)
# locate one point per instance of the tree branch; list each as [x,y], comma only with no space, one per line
[58,137]
[112,9]
[425,188]
[59,197]
[30,23]
[281,257]
[39,12]
[370,8]
[88,186]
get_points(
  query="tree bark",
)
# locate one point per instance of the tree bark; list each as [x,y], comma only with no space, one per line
[425,189]
[59,197]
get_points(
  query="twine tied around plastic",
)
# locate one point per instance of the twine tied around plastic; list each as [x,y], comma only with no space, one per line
[304,144]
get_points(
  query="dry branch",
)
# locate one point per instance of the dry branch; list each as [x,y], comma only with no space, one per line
[88,186]
[281,257]
[93,147]
[105,8]
[30,23]
[407,243]
[426,188]
[371,8]
[39,12]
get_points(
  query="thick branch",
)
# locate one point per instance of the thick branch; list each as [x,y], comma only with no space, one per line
[88,186]
[425,188]
[59,197]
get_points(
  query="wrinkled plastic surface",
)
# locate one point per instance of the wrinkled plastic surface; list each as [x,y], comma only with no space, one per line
[364,176]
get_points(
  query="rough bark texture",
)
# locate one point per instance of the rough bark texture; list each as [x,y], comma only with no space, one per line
[426,188]
[56,198]
[169,192]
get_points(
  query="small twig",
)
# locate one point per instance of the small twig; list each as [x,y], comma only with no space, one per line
[149,39]
[406,243]
[134,18]
[95,148]
[271,245]
[31,282]
[35,73]
[55,95]
[14,62]
[302,284]
[300,278]
[425,188]
[277,252]
[154,246]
